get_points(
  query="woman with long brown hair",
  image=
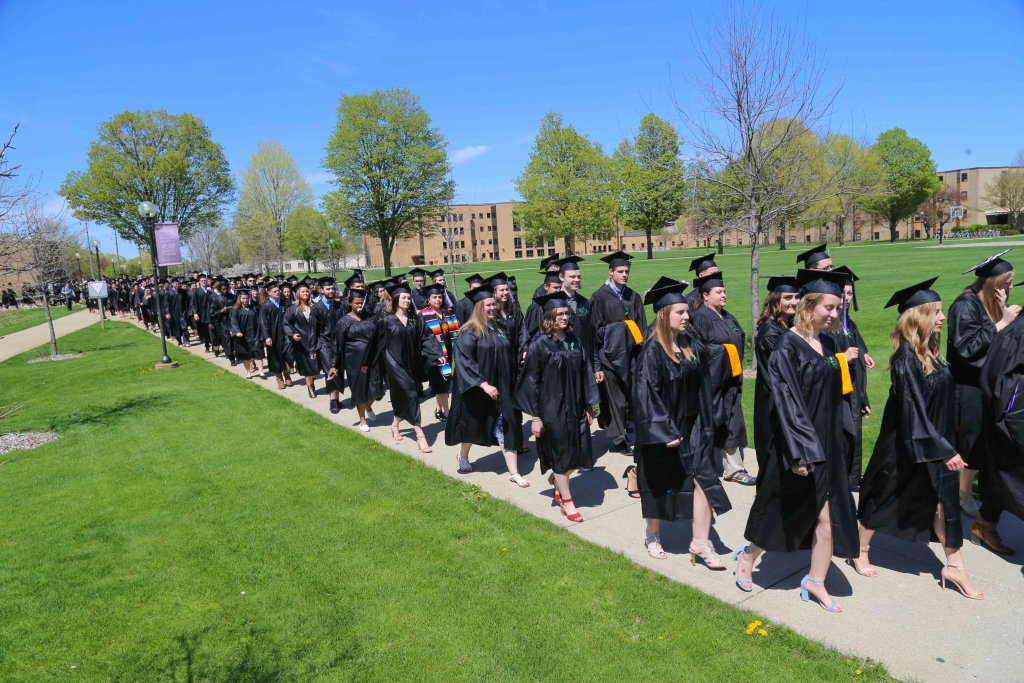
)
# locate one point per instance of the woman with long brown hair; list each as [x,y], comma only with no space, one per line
[483,410]
[675,451]
[556,386]
[776,317]
[978,313]
[803,498]
[300,335]
[910,487]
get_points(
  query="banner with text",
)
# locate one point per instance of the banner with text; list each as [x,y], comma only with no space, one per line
[168,244]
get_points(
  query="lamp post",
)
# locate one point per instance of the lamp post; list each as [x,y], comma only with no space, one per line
[148,212]
[103,316]
[80,277]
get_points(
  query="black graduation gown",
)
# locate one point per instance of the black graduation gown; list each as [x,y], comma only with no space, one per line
[907,476]
[616,351]
[435,324]
[712,331]
[221,321]
[199,304]
[807,414]
[856,400]
[557,385]
[1000,449]
[583,326]
[352,337]
[169,305]
[271,318]
[672,401]
[531,322]
[970,333]
[401,350]
[325,320]
[246,321]
[768,334]
[515,328]
[474,415]
[464,309]
[302,353]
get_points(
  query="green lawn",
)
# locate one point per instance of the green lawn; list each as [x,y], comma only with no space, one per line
[165,537]
[882,267]
[17,319]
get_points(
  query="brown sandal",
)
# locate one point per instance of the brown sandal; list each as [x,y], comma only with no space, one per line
[280,384]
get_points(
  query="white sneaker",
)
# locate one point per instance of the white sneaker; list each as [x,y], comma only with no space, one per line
[364,428]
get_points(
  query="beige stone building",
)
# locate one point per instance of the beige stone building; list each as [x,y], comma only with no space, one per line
[972,185]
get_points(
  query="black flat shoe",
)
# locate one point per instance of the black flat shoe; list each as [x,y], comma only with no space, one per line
[335,408]
[624,448]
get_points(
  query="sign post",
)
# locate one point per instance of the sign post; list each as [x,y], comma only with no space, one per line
[97,289]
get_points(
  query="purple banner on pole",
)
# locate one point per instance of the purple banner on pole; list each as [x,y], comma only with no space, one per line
[168,244]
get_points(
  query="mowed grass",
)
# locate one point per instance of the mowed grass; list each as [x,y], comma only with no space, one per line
[189,525]
[882,267]
[17,319]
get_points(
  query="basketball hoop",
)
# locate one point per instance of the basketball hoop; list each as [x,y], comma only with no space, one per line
[956,212]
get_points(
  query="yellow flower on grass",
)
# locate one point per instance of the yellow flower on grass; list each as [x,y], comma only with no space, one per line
[752,626]
[661,637]
[504,550]
[761,632]
[858,672]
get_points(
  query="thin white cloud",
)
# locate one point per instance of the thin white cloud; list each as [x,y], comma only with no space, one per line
[319,178]
[464,154]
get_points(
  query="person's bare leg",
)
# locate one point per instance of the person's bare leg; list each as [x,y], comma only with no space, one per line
[701,528]
[862,564]
[955,568]
[745,562]
[361,409]
[821,558]
[442,403]
[512,463]
[562,486]
[652,540]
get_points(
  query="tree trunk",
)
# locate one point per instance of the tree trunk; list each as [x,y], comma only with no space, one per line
[755,270]
[841,231]
[49,324]
[893,235]
[570,245]
[650,245]
[385,252]
[721,244]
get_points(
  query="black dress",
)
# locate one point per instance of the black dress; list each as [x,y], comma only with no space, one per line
[464,309]
[325,318]
[1000,450]
[971,332]
[671,401]
[401,350]
[246,321]
[616,351]
[272,328]
[807,418]
[768,334]
[854,403]
[713,331]
[302,353]
[490,358]
[907,477]
[221,320]
[557,385]
[352,338]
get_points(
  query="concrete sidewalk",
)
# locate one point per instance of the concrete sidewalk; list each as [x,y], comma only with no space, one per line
[25,340]
[900,618]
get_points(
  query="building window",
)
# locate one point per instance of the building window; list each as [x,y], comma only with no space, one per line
[940,178]
[488,214]
[516,227]
[472,216]
[917,234]
[446,259]
[517,242]
[963,195]
[551,243]
[856,237]
[876,236]
[739,240]
[519,253]
[963,177]
[551,252]
[792,239]
[529,253]
[460,216]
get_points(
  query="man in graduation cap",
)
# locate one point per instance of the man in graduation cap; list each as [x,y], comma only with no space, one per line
[439,279]
[548,264]
[199,309]
[419,281]
[352,282]
[851,342]
[817,258]
[619,320]
[464,306]
[571,277]
[324,319]
[535,311]
[701,267]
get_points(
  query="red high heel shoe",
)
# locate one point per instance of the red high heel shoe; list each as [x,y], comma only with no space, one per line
[574,517]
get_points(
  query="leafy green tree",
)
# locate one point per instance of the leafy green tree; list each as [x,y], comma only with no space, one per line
[169,159]
[651,187]
[307,235]
[1007,192]
[566,187]
[390,167]
[857,171]
[272,188]
[908,177]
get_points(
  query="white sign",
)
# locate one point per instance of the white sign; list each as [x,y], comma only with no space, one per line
[97,289]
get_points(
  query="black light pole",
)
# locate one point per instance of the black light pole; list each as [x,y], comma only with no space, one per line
[103,316]
[79,257]
[148,212]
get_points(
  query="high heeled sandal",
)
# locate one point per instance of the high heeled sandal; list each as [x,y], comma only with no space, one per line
[464,466]
[311,388]
[439,415]
[574,517]
[654,549]
[959,586]
[852,561]
[631,470]
[706,552]
[806,595]
[396,435]
[518,480]
[557,496]
[421,443]
[745,585]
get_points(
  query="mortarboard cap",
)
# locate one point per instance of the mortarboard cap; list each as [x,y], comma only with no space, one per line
[618,259]
[709,282]
[498,279]
[548,261]
[821,281]
[481,293]
[782,283]
[915,295]
[433,288]
[326,281]
[437,273]
[813,255]
[569,263]
[852,278]
[665,292]
[417,272]
[396,288]
[552,277]
[992,266]
[475,277]
[548,302]
[703,263]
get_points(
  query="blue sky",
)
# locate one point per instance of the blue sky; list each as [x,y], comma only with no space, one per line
[486,72]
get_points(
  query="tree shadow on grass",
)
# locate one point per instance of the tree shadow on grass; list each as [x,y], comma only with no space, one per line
[105,414]
[185,663]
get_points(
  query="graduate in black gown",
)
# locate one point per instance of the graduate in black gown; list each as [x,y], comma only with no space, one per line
[723,343]
[775,319]
[674,429]
[300,333]
[484,412]
[509,317]
[401,345]
[910,487]
[803,499]
[245,328]
[271,316]
[419,281]
[199,310]
[701,266]
[326,313]
[352,336]
[619,320]
[548,264]
[851,342]
[556,387]
[975,317]
[535,312]
[437,320]
[464,306]
[220,317]
[439,278]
